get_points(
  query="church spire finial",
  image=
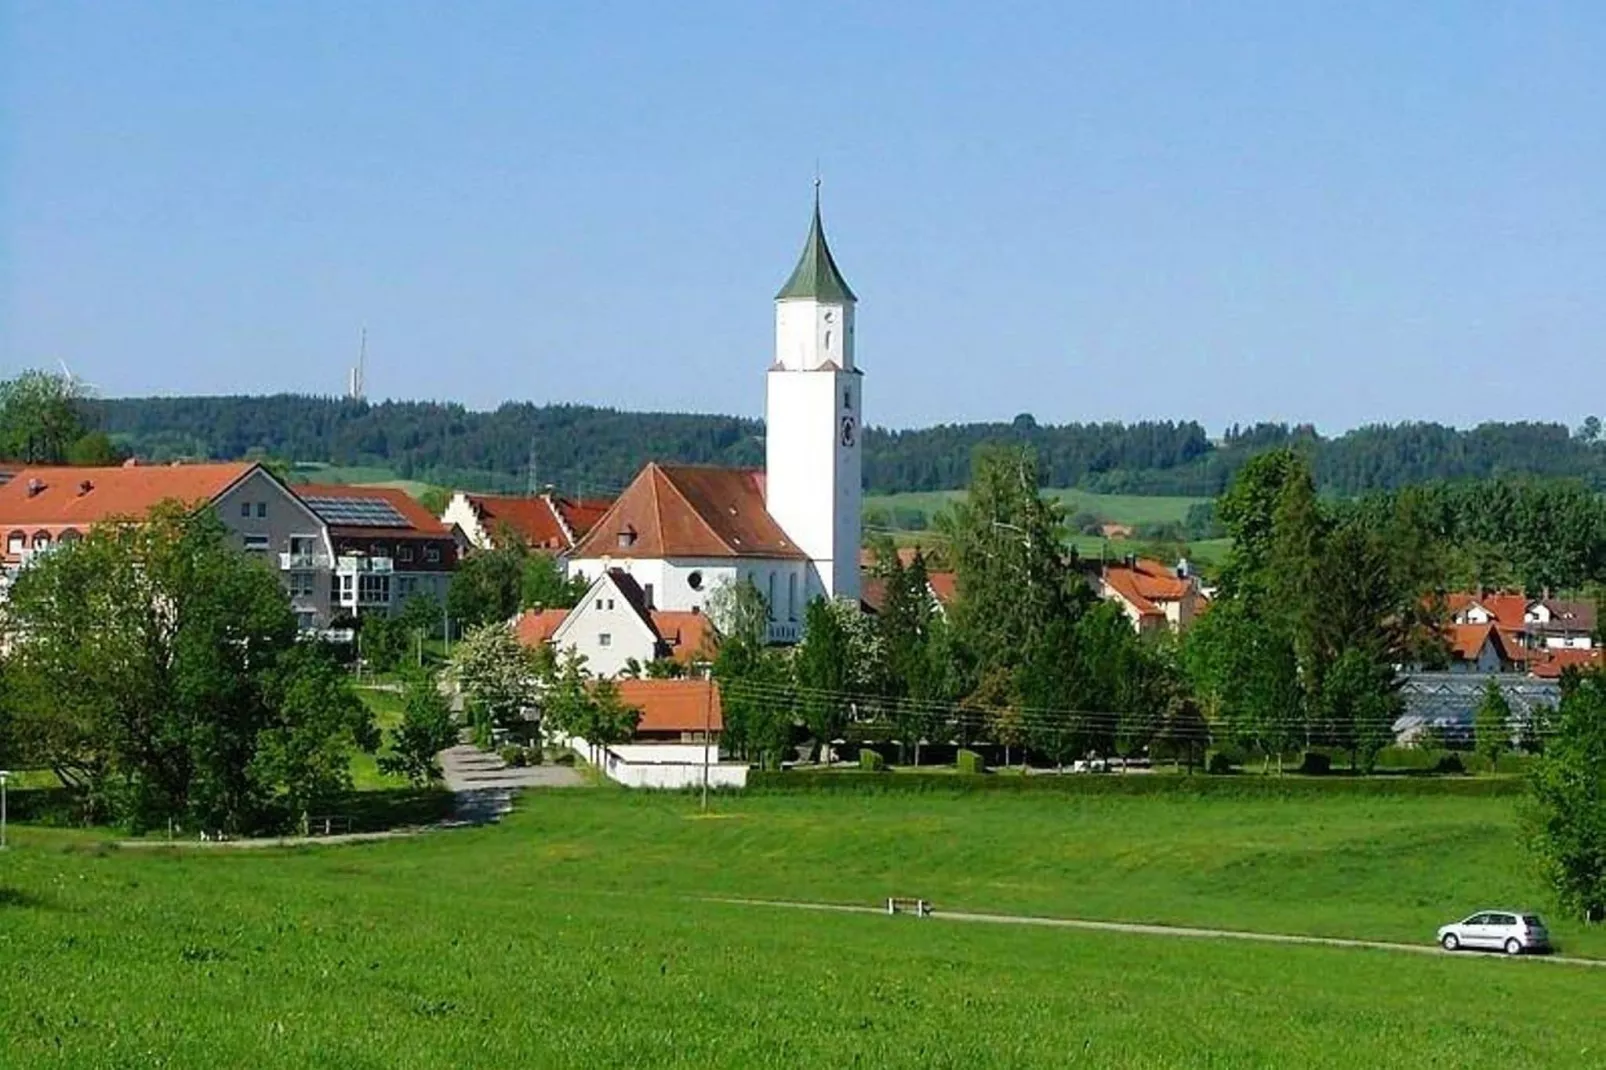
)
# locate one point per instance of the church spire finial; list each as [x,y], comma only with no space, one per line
[816,276]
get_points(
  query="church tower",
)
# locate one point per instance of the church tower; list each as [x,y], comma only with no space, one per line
[813,419]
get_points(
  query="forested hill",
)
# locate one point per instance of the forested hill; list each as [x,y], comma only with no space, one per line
[575,445]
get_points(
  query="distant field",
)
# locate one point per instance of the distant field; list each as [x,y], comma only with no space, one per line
[1111,508]
[577,934]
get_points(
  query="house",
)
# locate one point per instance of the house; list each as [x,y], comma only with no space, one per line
[675,711]
[44,507]
[1551,663]
[1153,595]
[942,587]
[545,521]
[684,531]
[676,742]
[1482,648]
[385,547]
[614,625]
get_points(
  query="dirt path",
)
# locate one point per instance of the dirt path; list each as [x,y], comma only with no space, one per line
[1149,930]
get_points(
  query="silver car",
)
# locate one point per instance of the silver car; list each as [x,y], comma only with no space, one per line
[1511,931]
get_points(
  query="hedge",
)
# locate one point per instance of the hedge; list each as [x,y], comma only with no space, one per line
[850,781]
[971,764]
[870,761]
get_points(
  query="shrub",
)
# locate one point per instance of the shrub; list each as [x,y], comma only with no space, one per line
[794,781]
[1219,762]
[971,763]
[1315,763]
[513,756]
[1450,762]
[534,755]
[870,761]
[563,757]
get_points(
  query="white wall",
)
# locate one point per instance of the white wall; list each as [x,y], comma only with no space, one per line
[605,612]
[809,334]
[812,476]
[460,511]
[660,766]
[671,581]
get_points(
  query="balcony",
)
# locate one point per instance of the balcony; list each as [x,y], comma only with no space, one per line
[362,563]
[782,631]
[294,562]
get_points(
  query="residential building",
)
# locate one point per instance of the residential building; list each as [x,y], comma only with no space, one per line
[41,508]
[676,743]
[546,521]
[614,626]
[1482,648]
[386,547]
[1154,596]
[684,531]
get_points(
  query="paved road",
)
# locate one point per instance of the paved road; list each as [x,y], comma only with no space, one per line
[1150,930]
[484,784]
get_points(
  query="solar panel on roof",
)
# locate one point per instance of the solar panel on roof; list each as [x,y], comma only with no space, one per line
[358,512]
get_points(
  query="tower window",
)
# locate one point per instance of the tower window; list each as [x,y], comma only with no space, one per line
[828,339]
[694,580]
[627,538]
[847,400]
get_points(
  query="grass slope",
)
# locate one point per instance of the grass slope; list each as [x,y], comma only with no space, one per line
[574,936]
[1111,508]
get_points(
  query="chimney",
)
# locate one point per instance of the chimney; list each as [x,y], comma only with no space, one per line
[35,485]
[84,487]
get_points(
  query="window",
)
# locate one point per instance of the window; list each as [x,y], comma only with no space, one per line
[694,580]
[791,596]
[69,536]
[376,550]
[599,603]
[646,591]
[847,400]
[16,542]
[404,553]
[345,585]
[262,510]
[256,542]
[769,597]
[41,540]
[610,603]
[245,509]
[373,588]
[302,584]
[627,538]
[432,554]
[604,639]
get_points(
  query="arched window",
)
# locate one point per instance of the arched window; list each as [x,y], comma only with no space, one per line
[41,540]
[770,597]
[16,542]
[69,535]
[791,596]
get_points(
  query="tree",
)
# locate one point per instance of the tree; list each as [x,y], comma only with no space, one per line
[543,584]
[303,754]
[426,728]
[497,676]
[151,662]
[41,417]
[487,586]
[94,448]
[755,681]
[1491,724]
[384,641]
[422,617]
[824,668]
[1566,813]
[610,720]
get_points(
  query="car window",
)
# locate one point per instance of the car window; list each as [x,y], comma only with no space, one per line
[1477,919]
[1503,919]
[1533,920]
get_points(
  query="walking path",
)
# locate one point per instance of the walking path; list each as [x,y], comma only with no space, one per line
[484,784]
[1143,929]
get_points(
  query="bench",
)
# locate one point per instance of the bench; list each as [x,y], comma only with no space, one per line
[920,908]
[328,825]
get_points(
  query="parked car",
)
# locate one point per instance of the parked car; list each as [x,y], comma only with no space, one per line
[1511,931]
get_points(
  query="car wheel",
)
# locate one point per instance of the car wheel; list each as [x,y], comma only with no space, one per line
[1513,946]
[1450,942]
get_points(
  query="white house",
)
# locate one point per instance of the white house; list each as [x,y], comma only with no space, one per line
[613,625]
[683,531]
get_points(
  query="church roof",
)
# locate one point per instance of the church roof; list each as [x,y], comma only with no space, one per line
[816,276]
[689,511]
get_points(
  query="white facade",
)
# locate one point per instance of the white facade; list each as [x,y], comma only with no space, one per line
[813,419]
[688,583]
[461,511]
[607,630]
[661,766]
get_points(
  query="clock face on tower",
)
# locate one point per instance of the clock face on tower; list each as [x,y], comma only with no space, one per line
[848,431]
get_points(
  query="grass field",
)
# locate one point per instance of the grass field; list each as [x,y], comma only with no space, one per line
[577,935]
[1111,508]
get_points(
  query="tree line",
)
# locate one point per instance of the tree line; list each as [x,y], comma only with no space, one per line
[576,447]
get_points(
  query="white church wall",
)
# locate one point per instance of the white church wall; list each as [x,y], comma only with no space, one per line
[812,471]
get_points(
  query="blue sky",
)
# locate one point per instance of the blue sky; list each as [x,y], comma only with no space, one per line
[1341,213]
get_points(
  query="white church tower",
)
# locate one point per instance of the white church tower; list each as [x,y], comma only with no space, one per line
[813,419]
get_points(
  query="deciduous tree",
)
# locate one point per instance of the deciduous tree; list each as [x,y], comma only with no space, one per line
[1566,814]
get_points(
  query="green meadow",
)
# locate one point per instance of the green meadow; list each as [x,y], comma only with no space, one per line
[580,933]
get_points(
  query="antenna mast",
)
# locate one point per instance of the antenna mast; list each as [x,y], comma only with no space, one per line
[357,387]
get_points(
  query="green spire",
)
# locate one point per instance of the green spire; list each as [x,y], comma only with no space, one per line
[816,275]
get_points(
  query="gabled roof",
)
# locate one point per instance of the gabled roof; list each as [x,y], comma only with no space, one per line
[816,276]
[544,522]
[684,636]
[1552,663]
[1468,640]
[62,497]
[419,521]
[536,626]
[674,705]
[1507,608]
[689,511]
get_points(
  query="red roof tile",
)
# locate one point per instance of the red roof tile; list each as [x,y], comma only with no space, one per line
[689,511]
[60,497]
[1551,663]
[420,521]
[689,636]
[542,521]
[536,626]
[674,705]
[945,586]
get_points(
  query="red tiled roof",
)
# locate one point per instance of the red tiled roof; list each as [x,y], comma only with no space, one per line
[674,705]
[689,511]
[1508,608]
[1467,640]
[539,520]
[61,497]
[420,521]
[536,626]
[689,636]
[1550,664]
[945,586]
